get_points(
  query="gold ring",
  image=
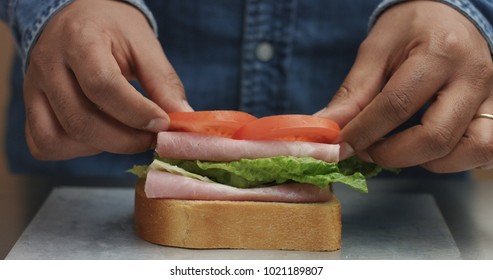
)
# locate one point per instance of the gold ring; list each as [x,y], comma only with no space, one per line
[487,116]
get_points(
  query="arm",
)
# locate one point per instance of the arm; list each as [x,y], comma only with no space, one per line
[417,54]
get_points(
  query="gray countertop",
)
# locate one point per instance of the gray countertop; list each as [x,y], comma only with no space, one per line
[397,220]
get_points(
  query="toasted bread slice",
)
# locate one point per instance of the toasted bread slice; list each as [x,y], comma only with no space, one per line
[252,225]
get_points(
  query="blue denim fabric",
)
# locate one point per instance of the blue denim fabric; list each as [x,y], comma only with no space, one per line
[264,57]
[213,48]
[27,18]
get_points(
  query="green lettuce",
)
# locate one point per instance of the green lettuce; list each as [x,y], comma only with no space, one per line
[157,164]
[248,173]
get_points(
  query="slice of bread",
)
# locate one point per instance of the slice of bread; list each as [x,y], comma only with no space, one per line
[238,224]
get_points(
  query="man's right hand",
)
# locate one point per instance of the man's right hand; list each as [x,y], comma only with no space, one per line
[77,95]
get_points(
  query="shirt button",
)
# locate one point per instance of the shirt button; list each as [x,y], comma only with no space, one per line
[264,51]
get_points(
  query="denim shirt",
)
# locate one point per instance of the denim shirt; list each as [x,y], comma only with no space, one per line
[263,57]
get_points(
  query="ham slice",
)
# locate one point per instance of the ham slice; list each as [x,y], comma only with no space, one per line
[194,146]
[160,184]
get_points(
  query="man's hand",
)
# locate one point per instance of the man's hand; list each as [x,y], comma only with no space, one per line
[78,98]
[418,53]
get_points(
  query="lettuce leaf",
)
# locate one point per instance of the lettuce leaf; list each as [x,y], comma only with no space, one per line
[248,173]
[141,170]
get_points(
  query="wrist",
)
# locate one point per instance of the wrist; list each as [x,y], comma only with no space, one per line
[465,7]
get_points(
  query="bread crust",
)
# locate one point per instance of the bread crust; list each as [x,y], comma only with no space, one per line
[238,224]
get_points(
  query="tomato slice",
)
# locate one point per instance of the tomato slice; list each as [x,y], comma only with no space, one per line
[219,123]
[290,128]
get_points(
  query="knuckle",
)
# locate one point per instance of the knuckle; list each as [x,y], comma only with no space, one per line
[79,127]
[445,45]
[72,28]
[482,151]
[397,105]
[451,43]
[83,38]
[81,30]
[438,142]
[44,145]
[99,82]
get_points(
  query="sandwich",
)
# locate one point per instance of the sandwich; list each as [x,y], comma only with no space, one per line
[226,179]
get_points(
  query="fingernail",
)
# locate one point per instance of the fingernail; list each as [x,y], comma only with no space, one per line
[345,151]
[157,125]
[187,106]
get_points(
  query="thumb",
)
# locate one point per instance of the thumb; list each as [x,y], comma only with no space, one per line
[158,77]
[363,82]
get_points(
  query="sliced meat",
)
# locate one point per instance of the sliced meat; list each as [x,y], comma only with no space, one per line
[160,184]
[193,146]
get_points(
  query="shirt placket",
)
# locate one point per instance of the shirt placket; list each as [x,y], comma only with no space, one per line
[265,56]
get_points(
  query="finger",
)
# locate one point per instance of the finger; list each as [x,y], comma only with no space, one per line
[443,124]
[411,86]
[85,123]
[104,85]
[363,82]
[157,75]
[44,135]
[475,148]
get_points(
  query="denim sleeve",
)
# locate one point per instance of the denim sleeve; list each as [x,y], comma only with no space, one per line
[479,12]
[27,19]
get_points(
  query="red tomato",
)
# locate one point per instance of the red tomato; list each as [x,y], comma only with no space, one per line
[290,128]
[219,123]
